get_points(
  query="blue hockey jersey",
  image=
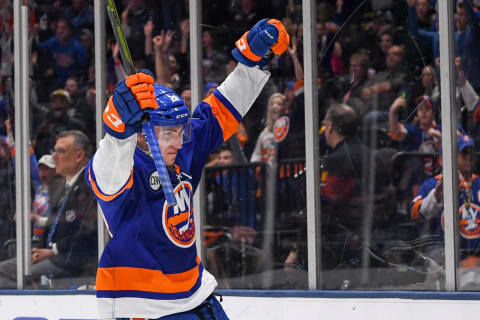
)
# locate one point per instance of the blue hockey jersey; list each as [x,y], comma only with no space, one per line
[425,206]
[150,267]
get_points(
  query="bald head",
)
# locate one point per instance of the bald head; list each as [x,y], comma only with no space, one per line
[344,119]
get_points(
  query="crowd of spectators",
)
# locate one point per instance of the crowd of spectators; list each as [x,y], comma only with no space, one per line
[378,64]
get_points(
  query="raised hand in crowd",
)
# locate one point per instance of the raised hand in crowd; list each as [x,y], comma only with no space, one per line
[339,6]
[439,190]
[125,13]
[148,31]
[185,30]
[461,74]
[161,70]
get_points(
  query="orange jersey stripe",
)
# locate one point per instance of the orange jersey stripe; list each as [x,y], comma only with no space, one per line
[140,279]
[109,197]
[225,118]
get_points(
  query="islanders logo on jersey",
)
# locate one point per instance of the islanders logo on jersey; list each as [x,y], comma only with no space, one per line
[178,222]
[470,221]
[280,128]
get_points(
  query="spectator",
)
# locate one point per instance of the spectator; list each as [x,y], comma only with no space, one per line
[359,64]
[466,38]
[67,53]
[234,194]
[49,186]
[467,42]
[386,41]
[86,38]
[423,136]
[7,193]
[80,13]
[244,14]
[79,108]
[380,92]
[209,88]
[186,94]
[214,61]
[69,243]
[135,15]
[6,44]
[265,147]
[428,205]
[56,121]
[349,187]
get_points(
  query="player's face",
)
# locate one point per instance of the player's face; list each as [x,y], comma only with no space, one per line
[170,140]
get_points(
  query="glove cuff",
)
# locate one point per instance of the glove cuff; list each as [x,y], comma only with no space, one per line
[129,130]
[249,63]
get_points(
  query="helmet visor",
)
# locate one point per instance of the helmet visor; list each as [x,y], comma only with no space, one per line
[173,135]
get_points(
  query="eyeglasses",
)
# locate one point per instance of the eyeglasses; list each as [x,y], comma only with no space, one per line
[62,151]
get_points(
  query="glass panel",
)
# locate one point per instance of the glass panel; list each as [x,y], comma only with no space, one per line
[380,141]
[7,172]
[64,217]
[467,65]
[255,232]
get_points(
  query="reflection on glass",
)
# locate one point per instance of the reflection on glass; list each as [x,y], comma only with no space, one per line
[255,232]
[380,141]
[63,212]
[64,220]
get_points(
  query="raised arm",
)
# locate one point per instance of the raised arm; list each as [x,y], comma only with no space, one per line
[396,129]
[112,164]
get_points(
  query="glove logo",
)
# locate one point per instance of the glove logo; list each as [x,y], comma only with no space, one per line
[112,118]
[241,44]
[268,34]
[178,222]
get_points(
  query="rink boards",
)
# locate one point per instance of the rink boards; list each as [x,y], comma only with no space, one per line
[261,305]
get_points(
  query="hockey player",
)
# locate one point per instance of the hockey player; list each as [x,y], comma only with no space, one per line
[150,268]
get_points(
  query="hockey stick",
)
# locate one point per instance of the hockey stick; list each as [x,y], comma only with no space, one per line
[147,126]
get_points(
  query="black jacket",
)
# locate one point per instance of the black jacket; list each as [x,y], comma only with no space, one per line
[76,231]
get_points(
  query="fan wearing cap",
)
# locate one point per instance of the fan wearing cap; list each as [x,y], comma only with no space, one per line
[423,136]
[150,268]
[428,205]
[56,121]
[41,202]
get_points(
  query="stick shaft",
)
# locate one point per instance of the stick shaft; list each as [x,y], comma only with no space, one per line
[122,42]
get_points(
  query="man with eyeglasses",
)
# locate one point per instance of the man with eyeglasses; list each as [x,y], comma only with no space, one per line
[150,268]
[70,236]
